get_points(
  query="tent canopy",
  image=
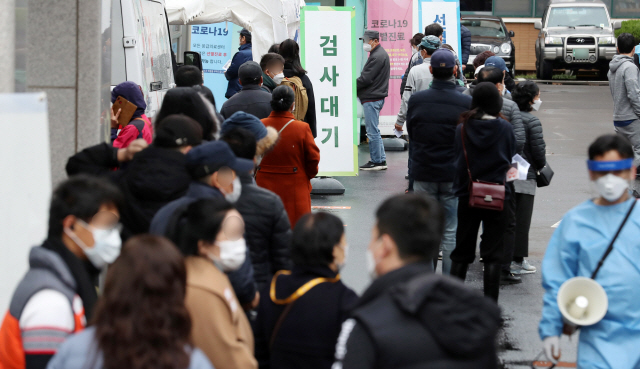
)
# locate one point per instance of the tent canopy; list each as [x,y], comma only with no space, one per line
[270,21]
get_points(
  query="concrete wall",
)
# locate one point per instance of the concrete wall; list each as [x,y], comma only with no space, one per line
[65,60]
[7,44]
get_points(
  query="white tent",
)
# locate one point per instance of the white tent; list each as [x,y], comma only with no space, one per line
[270,21]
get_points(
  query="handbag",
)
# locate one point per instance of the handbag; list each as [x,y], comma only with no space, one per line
[544,175]
[483,195]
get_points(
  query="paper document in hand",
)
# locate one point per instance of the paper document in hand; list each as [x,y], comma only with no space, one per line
[227,65]
[523,166]
[397,133]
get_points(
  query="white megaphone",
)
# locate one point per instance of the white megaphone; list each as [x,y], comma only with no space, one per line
[582,301]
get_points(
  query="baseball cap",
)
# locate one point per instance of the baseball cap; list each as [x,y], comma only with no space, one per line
[496,62]
[250,72]
[208,158]
[370,35]
[443,58]
[431,42]
[177,130]
[244,32]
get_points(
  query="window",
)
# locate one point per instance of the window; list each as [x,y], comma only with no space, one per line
[484,28]
[512,8]
[476,6]
[577,16]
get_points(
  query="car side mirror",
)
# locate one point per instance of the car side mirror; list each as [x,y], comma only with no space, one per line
[537,25]
[617,24]
[512,34]
[193,58]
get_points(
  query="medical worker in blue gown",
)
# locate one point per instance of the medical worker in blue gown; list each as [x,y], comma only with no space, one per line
[575,250]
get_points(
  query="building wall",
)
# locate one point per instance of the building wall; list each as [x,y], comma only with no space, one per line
[524,41]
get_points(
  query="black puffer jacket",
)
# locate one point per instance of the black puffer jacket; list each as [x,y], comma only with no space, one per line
[267,230]
[155,177]
[535,148]
[413,318]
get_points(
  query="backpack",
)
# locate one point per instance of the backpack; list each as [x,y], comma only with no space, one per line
[302,100]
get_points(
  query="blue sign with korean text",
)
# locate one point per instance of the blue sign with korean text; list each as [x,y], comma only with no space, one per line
[213,42]
[447,14]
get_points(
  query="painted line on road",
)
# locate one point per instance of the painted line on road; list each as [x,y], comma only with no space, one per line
[556,225]
[331,207]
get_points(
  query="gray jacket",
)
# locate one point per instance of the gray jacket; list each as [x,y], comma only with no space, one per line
[79,352]
[419,79]
[373,83]
[510,111]
[624,81]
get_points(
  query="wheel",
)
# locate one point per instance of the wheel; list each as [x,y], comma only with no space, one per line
[546,70]
[538,67]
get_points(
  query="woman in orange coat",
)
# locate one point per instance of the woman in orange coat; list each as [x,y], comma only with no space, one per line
[288,169]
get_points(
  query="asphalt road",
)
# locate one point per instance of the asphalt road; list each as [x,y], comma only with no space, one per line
[572,117]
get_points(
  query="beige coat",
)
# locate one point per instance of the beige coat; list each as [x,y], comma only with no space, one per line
[220,326]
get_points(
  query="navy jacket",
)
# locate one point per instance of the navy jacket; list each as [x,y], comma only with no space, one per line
[465,48]
[307,337]
[432,117]
[242,279]
[491,146]
[243,55]
[252,99]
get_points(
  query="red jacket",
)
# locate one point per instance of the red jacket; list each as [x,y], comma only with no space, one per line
[288,169]
[129,133]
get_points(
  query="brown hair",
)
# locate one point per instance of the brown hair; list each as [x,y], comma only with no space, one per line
[416,39]
[141,320]
[481,58]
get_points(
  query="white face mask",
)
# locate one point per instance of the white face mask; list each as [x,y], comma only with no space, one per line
[278,78]
[371,265]
[414,50]
[232,254]
[366,48]
[504,90]
[106,245]
[237,191]
[611,187]
[536,104]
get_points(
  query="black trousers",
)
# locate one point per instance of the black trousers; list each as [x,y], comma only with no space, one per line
[510,231]
[492,243]
[524,212]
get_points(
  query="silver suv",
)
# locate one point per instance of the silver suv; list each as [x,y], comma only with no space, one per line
[575,34]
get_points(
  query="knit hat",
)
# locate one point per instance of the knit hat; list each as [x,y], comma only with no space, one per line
[177,130]
[266,137]
[431,42]
[487,98]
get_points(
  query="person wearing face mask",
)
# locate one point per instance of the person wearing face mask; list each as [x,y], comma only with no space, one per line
[58,294]
[288,169]
[527,96]
[214,169]
[577,246]
[410,317]
[252,99]
[272,65]
[373,88]
[268,231]
[286,338]
[213,244]
[416,59]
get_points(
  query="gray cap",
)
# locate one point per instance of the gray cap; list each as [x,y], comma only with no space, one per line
[370,35]
[250,72]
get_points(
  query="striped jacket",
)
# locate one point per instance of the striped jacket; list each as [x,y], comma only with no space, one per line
[43,312]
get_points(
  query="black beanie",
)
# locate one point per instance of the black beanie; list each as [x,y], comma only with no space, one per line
[487,98]
[177,130]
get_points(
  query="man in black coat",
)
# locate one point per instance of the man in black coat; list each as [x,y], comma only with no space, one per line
[432,117]
[149,180]
[252,99]
[410,317]
[267,228]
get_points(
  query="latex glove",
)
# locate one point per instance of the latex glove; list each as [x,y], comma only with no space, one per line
[552,348]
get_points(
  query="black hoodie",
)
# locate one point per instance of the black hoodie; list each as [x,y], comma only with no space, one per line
[491,145]
[412,318]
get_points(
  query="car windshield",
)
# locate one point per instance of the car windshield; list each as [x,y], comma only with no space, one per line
[578,17]
[484,28]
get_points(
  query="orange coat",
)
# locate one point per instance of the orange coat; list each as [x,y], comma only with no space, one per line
[288,169]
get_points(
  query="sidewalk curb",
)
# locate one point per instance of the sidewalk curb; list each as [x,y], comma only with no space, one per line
[560,82]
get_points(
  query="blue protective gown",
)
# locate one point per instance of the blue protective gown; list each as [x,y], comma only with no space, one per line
[574,250]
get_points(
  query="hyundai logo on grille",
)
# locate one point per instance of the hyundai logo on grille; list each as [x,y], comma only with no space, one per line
[580,40]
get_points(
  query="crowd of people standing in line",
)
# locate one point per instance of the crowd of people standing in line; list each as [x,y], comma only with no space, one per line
[215,259]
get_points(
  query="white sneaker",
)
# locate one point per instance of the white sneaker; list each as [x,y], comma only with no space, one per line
[522,268]
[440,255]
